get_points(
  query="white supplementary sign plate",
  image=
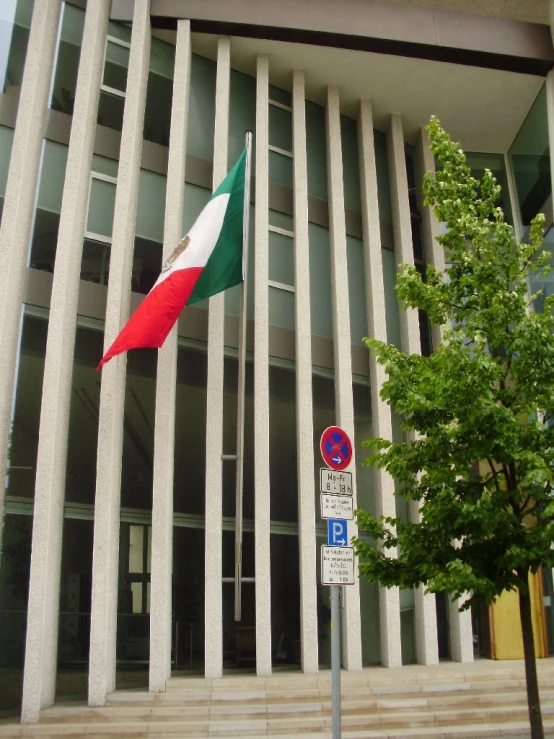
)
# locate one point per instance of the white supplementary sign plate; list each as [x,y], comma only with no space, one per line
[337,565]
[335,482]
[337,506]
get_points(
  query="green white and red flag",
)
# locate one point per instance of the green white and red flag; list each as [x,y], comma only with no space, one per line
[208,260]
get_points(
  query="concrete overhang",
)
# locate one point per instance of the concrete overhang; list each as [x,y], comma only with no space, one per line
[482,89]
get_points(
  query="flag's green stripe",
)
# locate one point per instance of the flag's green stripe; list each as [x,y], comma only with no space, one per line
[224,267]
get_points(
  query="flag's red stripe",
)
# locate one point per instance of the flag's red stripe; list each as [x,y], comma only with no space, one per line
[155,316]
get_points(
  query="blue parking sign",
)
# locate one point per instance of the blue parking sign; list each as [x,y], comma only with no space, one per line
[337,532]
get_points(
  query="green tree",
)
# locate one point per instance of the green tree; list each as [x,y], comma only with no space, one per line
[478,454]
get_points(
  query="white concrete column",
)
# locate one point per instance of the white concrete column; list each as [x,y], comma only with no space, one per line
[304,404]
[389,600]
[261,375]
[103,626]
[214,415]
[344,399]
[164,430]
[425,606]
[461,632]
[19,203]
[39,681]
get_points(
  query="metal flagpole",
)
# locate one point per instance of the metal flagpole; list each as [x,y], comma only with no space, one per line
[241,385]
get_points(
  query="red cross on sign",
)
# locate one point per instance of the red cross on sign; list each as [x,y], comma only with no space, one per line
[336,448]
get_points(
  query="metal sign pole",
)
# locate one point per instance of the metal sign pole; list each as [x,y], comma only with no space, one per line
[335,660]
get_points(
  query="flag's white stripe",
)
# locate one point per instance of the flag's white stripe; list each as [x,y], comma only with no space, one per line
[203,237]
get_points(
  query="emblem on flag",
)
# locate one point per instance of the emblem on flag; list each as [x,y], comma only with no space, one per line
[179,249]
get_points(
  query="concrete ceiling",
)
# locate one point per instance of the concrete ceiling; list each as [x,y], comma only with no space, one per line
[531,11]
[481,108]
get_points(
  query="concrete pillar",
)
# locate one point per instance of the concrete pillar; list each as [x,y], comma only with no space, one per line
[39,681]
[304,409]
[461,632]
[164,430]
[344,399]
[389,601]
[103,627]
[214,415]
[19,203]
[425,606]
[261,375]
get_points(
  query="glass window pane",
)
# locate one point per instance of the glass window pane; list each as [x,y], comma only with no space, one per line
[280,95]
[200,140]
[119,31]
[136,592]
[280,128]
[136,549]
[392,310]
[67,62]
[188,600]
[282,444]
[383,189]
[157,115]
[190,432]
[15,567]
[281,220]
[281,308]
[80,483]
[45,228]
[351,173]
[6,139]
[103,165]
[320,281]
[242,113]
[74,621]
[285,599]
[138,431]
[530,155]
[147,264]
[101,207]
[95,264]
[317,151]
[280,169]
[116,66]
[356,289]
[110,111]
[151,206]
[25,425]
[15,21]
[281,258]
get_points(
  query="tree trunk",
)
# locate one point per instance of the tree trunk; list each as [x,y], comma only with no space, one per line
[533,700]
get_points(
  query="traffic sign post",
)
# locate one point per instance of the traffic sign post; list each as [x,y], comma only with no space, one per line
[337,558]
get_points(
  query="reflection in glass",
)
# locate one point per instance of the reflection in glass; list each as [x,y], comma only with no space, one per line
[83,417]
[157,115]
[26,418]
[116,66]
[285,600]
[15,22]
[530,157]
[282,444]
[15,567]
[49,203]
[187,656]
[133,606]
[190,433]
[75,598]
[67,63]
